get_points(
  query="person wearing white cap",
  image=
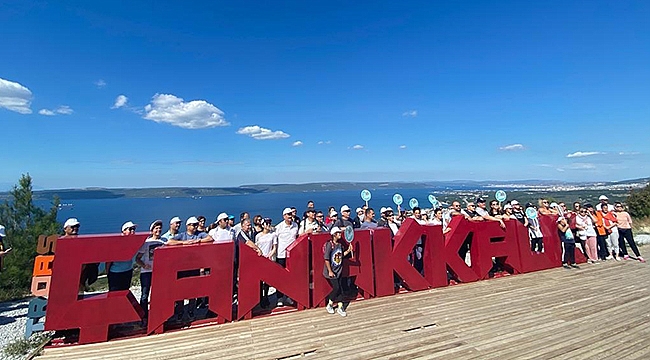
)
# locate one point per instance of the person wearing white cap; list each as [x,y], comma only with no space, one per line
[287,231]
[191,234]
[71,227]
[345,219]
[388,220]
[144,259]
[4,250]
[174,227]
[604,200]
[361,213]
[189,237]
[120,272]
[223,232]
[333,255]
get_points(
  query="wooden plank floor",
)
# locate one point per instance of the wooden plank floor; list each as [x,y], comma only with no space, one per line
[600,311]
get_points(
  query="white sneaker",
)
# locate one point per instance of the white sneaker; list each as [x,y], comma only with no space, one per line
[609,257]
[617,258]
[329,309]
[341,312]
[280,303]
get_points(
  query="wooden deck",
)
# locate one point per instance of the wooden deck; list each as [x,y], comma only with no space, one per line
[600,311]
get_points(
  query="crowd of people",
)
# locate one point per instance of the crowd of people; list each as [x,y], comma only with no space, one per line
[601,232]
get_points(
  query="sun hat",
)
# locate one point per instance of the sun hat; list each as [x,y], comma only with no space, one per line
[71,222]
[221,216]
[154,224]
[127,225]
[175,219]
[335,230]
[192,220]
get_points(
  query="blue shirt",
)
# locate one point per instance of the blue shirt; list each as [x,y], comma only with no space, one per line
[185,236]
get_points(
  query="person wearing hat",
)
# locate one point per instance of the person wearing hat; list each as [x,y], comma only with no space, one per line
[333,254]
[481,210]
[287,232]
[174,228]
[388,220]
[518,213]
[602,201]
[71,227]
[144,259]
[189,237]
[267,243]
[4,250]
[119,273]
[223,232]
[191,234]
[345,220]
[361,213]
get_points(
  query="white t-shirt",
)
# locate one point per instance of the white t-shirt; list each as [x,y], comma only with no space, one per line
[265,242]
[147,252]
[220,235]
[481,212]
[286,236]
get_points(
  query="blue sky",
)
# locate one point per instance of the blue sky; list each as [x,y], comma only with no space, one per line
[138,94]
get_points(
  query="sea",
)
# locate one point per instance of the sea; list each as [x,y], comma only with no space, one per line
[100,216]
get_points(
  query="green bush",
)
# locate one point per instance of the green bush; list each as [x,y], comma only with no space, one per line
[639,202]
[24,222]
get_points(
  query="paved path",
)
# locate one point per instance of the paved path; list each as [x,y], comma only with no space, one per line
[599,311]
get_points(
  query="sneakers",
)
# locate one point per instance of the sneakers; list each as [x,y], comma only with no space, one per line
[566,266]
[288,301]
[617,258]
[329,309]
[626,257]
[341,312]
[575,266]
[280,303]
[641,259]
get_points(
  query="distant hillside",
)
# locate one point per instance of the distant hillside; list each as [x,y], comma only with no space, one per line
[460,185]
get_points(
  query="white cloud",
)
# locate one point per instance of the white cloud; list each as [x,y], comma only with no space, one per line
[580,166]
[61,110]
[15,97]
[324,142]
[584,153]
[513,147]
[100,83]
[622,153]
[297,143]
[196,114]
[357,147]
[260,133]
[120,101]
[410,113]
[402,146]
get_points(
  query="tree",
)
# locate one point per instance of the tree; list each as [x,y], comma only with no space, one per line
[24,222]
[639,202]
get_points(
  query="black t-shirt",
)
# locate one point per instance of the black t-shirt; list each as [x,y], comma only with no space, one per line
[519,216]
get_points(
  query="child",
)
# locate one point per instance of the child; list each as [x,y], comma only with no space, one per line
[566,235]
[333,255]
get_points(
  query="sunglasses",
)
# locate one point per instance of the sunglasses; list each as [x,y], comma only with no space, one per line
[75,226]
[131,229]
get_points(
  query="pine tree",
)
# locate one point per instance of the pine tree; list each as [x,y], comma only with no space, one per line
[24,222]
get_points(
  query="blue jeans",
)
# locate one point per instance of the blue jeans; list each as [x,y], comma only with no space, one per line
[145,284]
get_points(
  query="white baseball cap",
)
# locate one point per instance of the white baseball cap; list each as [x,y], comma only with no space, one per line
[154,224]
[2,231]
[388,208]
[287,211]
[507,206]
[128,224]
[345,208]
[193,220]
[333,213]
[358,210]
[335,230]
[602,197]
[221,216]
[175,219]
[514,202]
[71,222]
[383,210]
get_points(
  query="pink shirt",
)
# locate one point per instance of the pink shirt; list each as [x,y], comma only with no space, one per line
[624,220]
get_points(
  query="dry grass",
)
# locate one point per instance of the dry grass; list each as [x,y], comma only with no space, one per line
[641,226]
